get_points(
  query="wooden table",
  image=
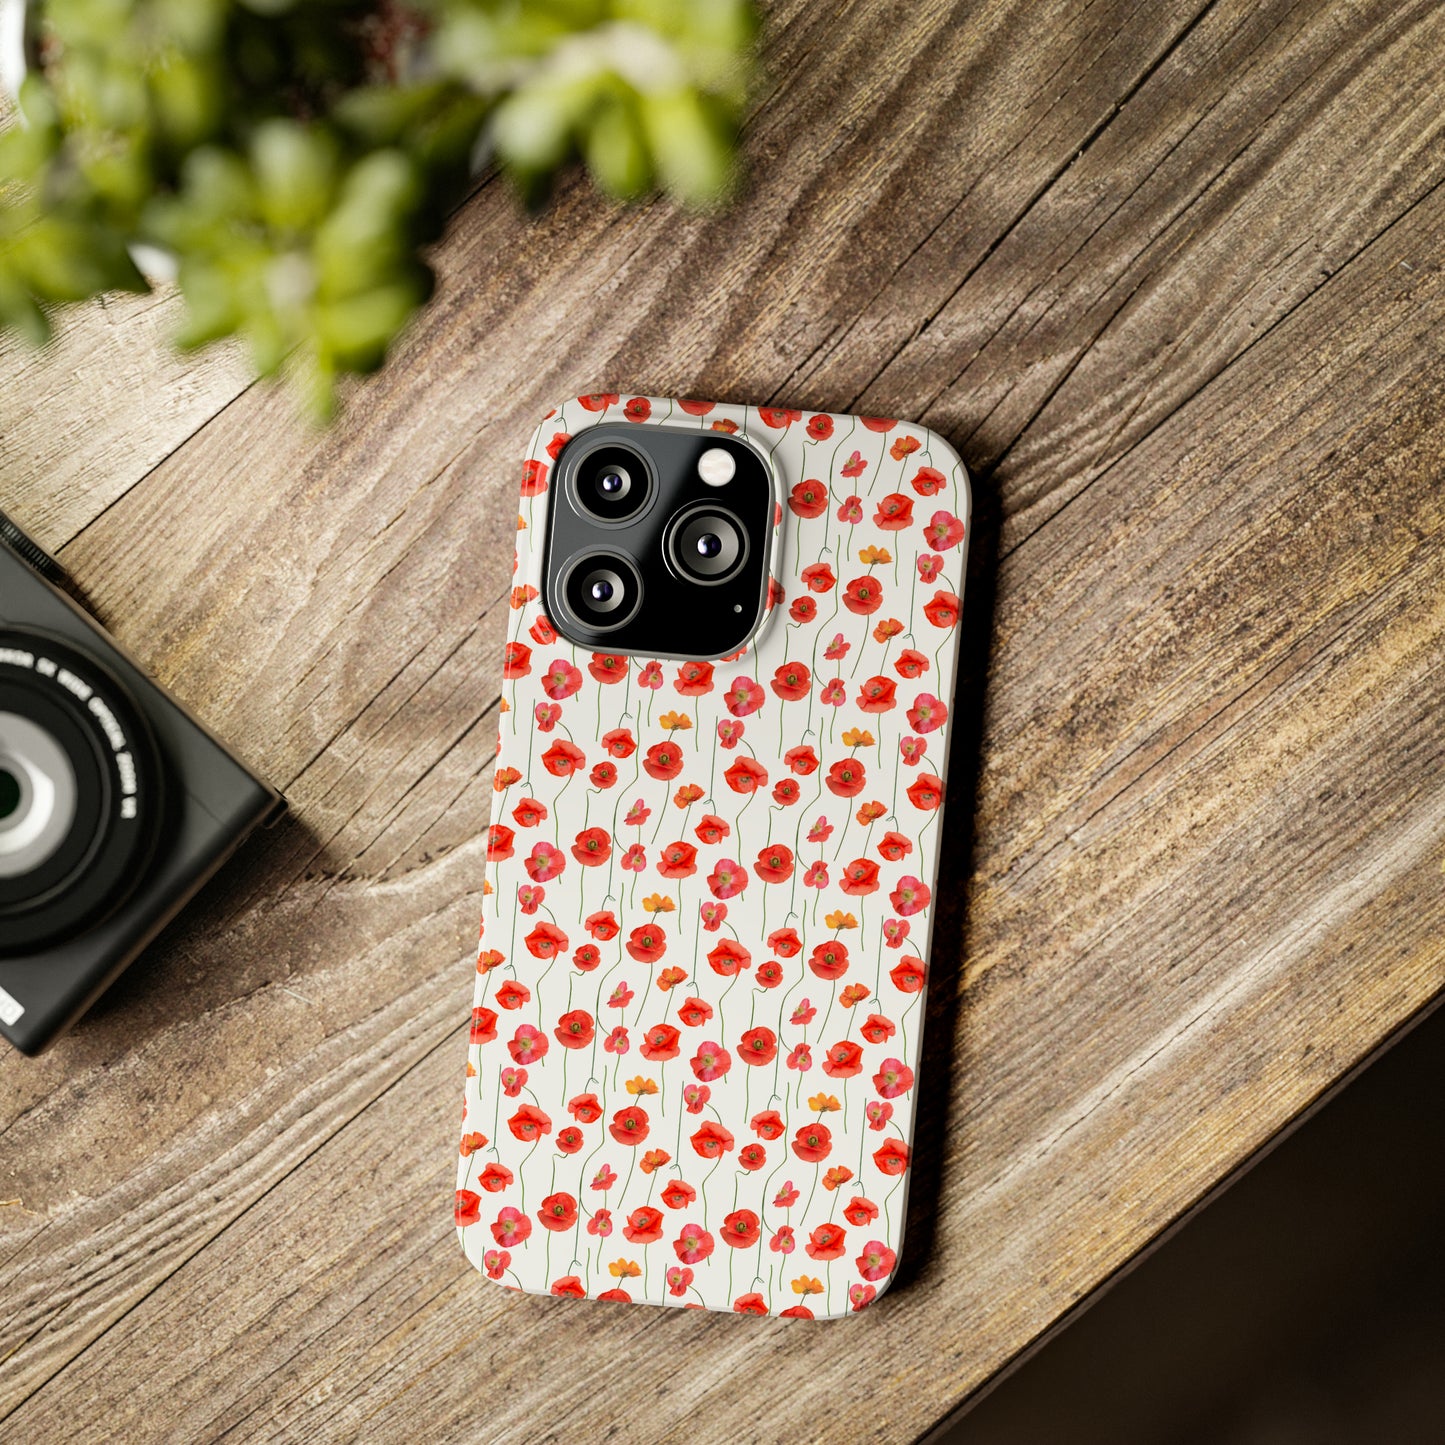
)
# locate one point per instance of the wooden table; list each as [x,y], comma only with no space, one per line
[1169,272]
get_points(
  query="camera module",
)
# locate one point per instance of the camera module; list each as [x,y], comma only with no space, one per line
[612,483]
[603,591]
[706,544]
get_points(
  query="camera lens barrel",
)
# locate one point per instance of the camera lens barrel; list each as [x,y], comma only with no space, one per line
[80,791]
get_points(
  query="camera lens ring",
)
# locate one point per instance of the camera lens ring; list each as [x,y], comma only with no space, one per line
[580,580]
[713,533]
[587,473]
[52,691]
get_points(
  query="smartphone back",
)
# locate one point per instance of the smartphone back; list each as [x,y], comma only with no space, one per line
[700,987]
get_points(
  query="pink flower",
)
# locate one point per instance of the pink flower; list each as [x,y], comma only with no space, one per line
[712,915]
[834,693]
[651,675]
[782,1241]
[601,1223]
[878,1114]
[786,1197]
[876,1261]
[893,1078]
[635,859]
[912,750]
[910,896]
[546,714]
[695,1096]
[729,730]
[561,679]
[617,1041]
[816,876]
[927,714]
[638,814]
[728,878]
[604,1178]
[711,1061]
[801,1058]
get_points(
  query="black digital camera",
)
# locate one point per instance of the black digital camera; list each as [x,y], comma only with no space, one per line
[115,804]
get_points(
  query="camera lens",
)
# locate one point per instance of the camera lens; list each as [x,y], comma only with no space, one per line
[81,791]
[611,483]
[603,591]
[706,545]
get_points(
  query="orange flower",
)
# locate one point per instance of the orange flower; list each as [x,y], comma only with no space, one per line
[654,1159]
[670,978]
[854,993]
[837,1176]
[857,738]
[658,903]
[872,556]
[624,1269]
[639,1085]
[839,919]
[675,721]
[824,1103]
[806,1284]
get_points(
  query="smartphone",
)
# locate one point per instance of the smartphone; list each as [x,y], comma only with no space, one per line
[726,702]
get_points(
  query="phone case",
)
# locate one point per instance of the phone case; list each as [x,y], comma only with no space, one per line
[700,983]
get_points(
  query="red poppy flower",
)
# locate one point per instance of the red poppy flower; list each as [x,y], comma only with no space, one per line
[779,416]
[791,681]
[468,1207]
[728,956]
[860,877]
[575,1029]
[568,1287]
[647,943]
[785,941]
[892,1157]
[854,466]
[813,1142]
[712,829]
[678,1194]
[740,1229]
[542,632]
[694,1012]
[829,960]
[775,863]
[808,499]
[911,663]
[488,959]
[546,940]
[928,481]
[942,609]
[529,1124]
[503,779]
[876,694]
[843,1059]
[926,791]
[499,843]
[638,409]
[895,512]
[877,1029]
[534,478]
[818,577]
[696,408]
[678,860]
[746,775]
[512,994]
[663,761]
[694,679]
[894,846]
[820,428]
[559,440]
[750,1304]
[759,1045]
[908,974]
[569,1139]
[629,1125]
[601,925]
[495,1178]
[826,1242]
[863,596]
[712,1140]
[846,778]
[600,400]
[607,667]
[803,609]
[769,974]
[904,446]
[529,813]
[516,660]
[659,1043]
[873,423]
[644,1225]
[585,1108]
[563,758]
[471,1143]
[860,1211]
[767,1125]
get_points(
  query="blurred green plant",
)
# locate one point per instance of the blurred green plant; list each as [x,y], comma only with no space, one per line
[290,157]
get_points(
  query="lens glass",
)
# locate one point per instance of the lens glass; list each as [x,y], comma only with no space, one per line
[37,795]
[707,544]
[603,591]
[611,483]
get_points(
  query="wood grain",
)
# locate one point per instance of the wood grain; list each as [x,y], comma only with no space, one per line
[1166,272]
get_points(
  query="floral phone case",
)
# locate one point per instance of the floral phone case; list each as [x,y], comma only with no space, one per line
[708,898]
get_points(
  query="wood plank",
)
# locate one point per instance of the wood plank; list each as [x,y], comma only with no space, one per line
[86,417]
[1163,752]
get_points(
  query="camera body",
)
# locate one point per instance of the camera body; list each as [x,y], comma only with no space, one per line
[116,805]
